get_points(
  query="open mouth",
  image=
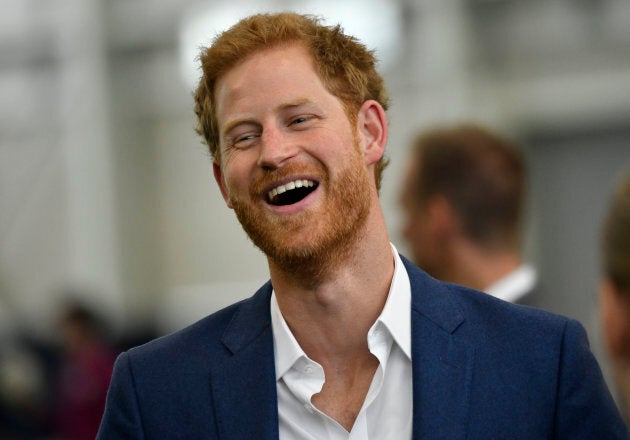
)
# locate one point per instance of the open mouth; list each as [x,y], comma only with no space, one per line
[291,192]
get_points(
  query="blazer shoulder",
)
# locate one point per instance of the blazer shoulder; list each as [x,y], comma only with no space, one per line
[205,336]
[456,307]
[499,317]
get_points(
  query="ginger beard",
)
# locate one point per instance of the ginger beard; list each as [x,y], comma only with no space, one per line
[307,244]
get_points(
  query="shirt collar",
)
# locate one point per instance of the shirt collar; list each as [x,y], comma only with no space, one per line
[286,348]
[395,316]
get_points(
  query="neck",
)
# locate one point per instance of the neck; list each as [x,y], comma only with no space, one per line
[331,314]
[480,268]
[621,371]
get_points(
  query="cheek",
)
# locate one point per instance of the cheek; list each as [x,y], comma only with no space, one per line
[237,170]
[414,230]
[614,315]
[333,144]
[605,321]
[410,224]
[406,229]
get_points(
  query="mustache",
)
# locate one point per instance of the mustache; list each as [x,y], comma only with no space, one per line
[270,177]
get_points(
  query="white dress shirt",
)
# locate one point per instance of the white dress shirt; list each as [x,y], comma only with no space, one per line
[387,410]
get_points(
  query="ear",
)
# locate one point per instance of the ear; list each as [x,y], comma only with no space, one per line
[615,319]
[218,176]
[372,130]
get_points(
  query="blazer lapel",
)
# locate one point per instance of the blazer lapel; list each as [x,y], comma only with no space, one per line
[243,380]
[442,365]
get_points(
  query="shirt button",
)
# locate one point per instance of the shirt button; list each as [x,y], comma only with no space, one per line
[308,369]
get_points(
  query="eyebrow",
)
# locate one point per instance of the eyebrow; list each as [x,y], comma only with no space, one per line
[296,103]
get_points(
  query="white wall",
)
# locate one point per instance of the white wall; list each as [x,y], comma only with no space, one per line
[103,181]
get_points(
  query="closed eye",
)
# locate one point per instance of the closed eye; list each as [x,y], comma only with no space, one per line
[242,142]
[245,138]
[300,121]
[241,133]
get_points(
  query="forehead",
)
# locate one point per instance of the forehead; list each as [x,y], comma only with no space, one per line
[277,70]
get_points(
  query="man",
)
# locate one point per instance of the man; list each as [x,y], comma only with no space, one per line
[463,197]
[83,376]
[615,290]
[294,115]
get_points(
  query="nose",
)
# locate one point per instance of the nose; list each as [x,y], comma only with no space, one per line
[276,147]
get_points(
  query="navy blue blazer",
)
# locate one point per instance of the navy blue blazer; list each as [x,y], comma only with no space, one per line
[482,369]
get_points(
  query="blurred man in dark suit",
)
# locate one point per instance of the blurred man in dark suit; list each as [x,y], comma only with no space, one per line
[615,290]
[463,198]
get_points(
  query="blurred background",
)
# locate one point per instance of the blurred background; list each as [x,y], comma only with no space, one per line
[107,200]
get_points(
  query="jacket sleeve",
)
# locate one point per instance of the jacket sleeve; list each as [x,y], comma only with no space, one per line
[585,408]
[121,419]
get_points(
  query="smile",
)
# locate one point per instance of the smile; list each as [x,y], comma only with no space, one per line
[291,192]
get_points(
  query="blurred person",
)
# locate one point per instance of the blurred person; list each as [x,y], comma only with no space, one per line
[83,377]
[23,414]
[615,290]
[348,339]
[463,198]
[25,361]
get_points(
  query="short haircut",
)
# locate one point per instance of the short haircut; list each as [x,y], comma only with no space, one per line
[616,237]
[346,67]
[481,174]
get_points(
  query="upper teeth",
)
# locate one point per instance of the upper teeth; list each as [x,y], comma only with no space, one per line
[289,186]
